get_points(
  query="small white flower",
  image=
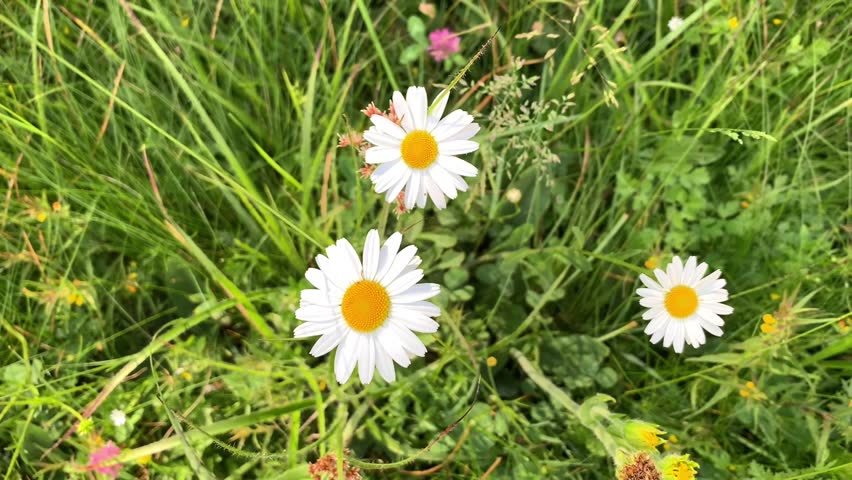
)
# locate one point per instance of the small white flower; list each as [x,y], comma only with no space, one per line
[675,23]
[419,153]
[683,304]
[513,195]
[118,418]
[368,307]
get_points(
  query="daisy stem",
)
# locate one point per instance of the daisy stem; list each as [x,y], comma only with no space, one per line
[461,73]
[618,331]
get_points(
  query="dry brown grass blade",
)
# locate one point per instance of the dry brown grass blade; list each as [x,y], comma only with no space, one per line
[108,113]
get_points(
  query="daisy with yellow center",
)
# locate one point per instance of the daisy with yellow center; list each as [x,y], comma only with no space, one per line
[368,307]
[417,154]
[683,303]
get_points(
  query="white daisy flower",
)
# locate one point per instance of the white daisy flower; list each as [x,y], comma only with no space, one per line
[118,418]
[683,304]
[675,23]
[418,153]
[368,308]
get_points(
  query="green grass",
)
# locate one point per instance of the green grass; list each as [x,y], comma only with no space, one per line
[185,226]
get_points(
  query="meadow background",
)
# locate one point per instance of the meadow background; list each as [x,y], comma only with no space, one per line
[170,169]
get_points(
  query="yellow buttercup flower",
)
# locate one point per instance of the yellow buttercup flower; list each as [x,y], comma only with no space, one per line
[491,362]
[733,23]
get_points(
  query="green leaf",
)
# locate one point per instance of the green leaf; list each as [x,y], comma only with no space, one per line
[410,53]
[416,28]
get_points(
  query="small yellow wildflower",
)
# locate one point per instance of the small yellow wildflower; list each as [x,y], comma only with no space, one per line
[732,468]
[745,393]
[733,23]
[185,22]
[322,385]
[186,375]
[678,468]
[144,460]
[87,425]
[749,196]
[41,217]
[643,435]
[768,328]
[652,262]
[745,204]
[132,282]
[844,328]
[776,21]
[751,385]
[774,296]
[768,318]
[673,438]
[56,206]
[491,362]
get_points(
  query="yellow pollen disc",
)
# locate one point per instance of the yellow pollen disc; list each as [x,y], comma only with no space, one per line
[681,301]
[419,149]
[365,305]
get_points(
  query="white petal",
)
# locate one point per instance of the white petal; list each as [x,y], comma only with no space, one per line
[389,341]
[650,283]
[416,293]
[435,192]
[457,165]
[377,155]
[426,308]
[707,281]
[675,271]
[713,329]
[657,323]
[654,313]
[438,106]
[388,254]
[388,128]
[399,263]
[386,176]
[718,308]
[312,296]
[372,252]
[651,302]
[327,342]
[349,255]
[346,357]
[404,282]
[417,106]
[700,270]
[415,321]
[316,278]
[339,274]
[696,333]
[661,332]
[409,341]
[421,196]
[384,364]
[713,297]
[376,137]
[451,125]
[400,107]
[316,313]
[649,292]
[312,329]
[712,287]
[366,360]
[689,271]
[412,189]
[393,191]
[443,179]
[663,278]
[466,133]
[678,336]
[457,147]
[710,317]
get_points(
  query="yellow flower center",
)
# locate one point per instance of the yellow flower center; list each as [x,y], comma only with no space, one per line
[419,149]
[681,301]
[365,305]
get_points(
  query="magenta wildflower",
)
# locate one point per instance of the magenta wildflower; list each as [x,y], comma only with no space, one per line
[443,44]
[102,460]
